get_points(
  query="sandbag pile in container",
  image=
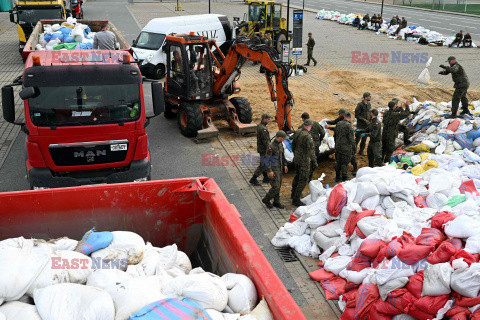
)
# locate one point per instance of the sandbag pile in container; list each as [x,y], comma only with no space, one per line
[392,244]
[116,275]
[411,33]
[70,35]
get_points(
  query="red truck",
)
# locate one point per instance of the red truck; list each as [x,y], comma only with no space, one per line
[191,212]
[84,118]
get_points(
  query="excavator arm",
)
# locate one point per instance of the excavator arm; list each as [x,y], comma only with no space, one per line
[230,69]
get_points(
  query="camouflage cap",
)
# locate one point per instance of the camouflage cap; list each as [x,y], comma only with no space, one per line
[342,110]
[308,122]
[366,94]
[266,116]
[391,104]
[451,58]
[281,134]
[374,112]
[348,114]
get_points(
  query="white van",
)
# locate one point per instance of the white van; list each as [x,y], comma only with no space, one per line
[148,46]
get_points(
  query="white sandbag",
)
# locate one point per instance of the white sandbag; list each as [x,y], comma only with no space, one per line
[354,276]
[337,264]
[151,264]
[183,262]
[394,269]
[50,275]
[462,227]
[391,285]
[125,245]
[316,188]
[436,200]
[18,310]
[436,279]
[369,225]
[466,281]
[324,242]
[56,27]
[333,229]
[77,34]
[242,294]
[297,228]
[365,190]
[208,290]
[301,244]
[76,274]
[104,278]
[132,295]
[281,238]
[316,221]
[62,244]
[424,76]
[216,315]
[403,316]
[69,301]
[473,244]
[371,203]
[22,260]
[261,311]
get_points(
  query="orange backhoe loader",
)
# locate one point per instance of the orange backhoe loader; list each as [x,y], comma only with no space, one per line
[200,79]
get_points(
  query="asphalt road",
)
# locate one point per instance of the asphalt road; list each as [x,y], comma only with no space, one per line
[442,22]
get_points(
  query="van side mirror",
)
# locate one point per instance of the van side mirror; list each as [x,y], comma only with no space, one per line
[27,93]
[134,43]
[12,17]
[8,104]
[158,98]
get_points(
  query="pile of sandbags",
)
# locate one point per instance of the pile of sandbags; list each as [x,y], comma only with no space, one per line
[70,35]
[392,244]
[116,275]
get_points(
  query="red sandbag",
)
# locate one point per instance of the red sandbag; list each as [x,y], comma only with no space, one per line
[321,274]
[359,262]
[337,200]
[415,284]
[430,237]
[293,218]
[393,248]
[353,219]
[465,301]
[453,126]
[320,264]
[360,233]
[382,254]
[420,314]
[441,218]
[457,312]
[395,298]
[373,314]
[386,308]
[350,297]
[351,286]
[457,243]
[475,315]
[431,304]
[348,314]
[420,202]
[469,186]
[334,287]
[461,316]
[443,253]
[367,295]
[411,253]
[467,257]
[371,247]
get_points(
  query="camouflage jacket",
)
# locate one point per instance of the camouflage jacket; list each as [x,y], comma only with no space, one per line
[391,118]
[344,137]
[459,76]
[374,131]
[303,148]
[362,113]
[276,156]
[263,138]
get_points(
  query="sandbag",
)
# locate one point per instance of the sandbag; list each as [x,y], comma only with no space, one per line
[337,200]
[171,309]
[242,294]
[216,315]
[104,278]
[369,294]
[316,189]
[93,241]
[418,148]
[69,301]
[436,279]
[443,253]
[63,243]
[19,310]
[337,264]
[261,311]
[389,286]
[125,245]
[365,190]
[462,227]
[466,281]
[430,237]
[424,76]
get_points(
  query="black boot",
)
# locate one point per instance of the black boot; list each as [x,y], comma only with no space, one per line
[297,202]
[266,179]
[277,204]
[452,116]
[267,203]
[254,181]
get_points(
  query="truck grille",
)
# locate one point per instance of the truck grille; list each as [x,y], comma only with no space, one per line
[85,153]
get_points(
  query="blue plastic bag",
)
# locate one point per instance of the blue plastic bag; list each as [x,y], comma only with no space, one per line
[47,37]
[447,136]
[473,134]
[66,31]
[69,40]
[57,35]
[288,144]
[171,309]
[93,241]
[464,141]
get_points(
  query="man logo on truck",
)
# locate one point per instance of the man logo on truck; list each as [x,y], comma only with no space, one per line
[89,154]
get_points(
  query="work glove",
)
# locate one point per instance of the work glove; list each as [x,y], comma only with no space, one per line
[363,135]
[443,73]
[443,66]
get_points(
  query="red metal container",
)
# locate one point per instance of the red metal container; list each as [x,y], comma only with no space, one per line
[192,212]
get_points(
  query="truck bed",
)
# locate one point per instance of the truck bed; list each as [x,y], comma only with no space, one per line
[191,212]
[95,26]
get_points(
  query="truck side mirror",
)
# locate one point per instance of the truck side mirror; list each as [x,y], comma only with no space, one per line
[12,17]
[27,92]
[134,43]
[8,104]
[157,98]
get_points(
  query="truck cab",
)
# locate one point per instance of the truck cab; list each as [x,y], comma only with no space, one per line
[26,14]
[84,118]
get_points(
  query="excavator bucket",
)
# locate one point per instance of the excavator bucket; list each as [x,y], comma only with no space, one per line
[242,128]
[209,132]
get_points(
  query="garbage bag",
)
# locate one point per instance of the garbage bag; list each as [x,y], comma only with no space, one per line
[424,76]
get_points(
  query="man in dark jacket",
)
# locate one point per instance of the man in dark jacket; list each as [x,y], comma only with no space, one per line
[277,165]
[362,113]
[458,39]
[467,41]
[356,22]
[402,25]
[374,131]
[391,119]
[461,85]
[341,116]
[263,141]
[310,46]
[317,132]
[344,147]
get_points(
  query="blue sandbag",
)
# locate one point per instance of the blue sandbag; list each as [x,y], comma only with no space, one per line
[473,134]
[87,30]
[47,37]
[57,35]
[447,136]
[66,31]
[171,309]
[464,141]
[93,241]
[69,40]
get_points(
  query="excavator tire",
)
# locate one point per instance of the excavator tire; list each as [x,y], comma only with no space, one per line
[244,110]
[281,37]
[190,119]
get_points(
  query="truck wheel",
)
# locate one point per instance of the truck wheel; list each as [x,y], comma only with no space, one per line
[190,119]
[281,37]
[158,72]
[244,110]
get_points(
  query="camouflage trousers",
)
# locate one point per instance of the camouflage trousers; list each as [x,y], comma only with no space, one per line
[341,166]
[262,168]
[275,185]
[374,153]
[302,174]
[460,94]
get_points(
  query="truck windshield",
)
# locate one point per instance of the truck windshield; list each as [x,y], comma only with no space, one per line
[149,40]
[85,105]
[32,16]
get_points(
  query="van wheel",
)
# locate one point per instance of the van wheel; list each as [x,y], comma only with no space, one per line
[190,119]
[243,108]
[281,37]
[158,72]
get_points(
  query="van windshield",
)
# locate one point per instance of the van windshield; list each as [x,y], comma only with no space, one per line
[31,15]
[150,40]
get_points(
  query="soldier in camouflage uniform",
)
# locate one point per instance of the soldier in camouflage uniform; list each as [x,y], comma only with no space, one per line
[344,147]
[461,85]
[317,133]
[263,141]
[304,157]
[277,165]
[341,116]
[362,113]
[374,131]
[310,45]
[402,127]
[391,119]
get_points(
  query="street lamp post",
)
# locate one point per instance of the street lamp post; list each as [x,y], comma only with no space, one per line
[381,11]
[209,5]
[288,19]
[303,5]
